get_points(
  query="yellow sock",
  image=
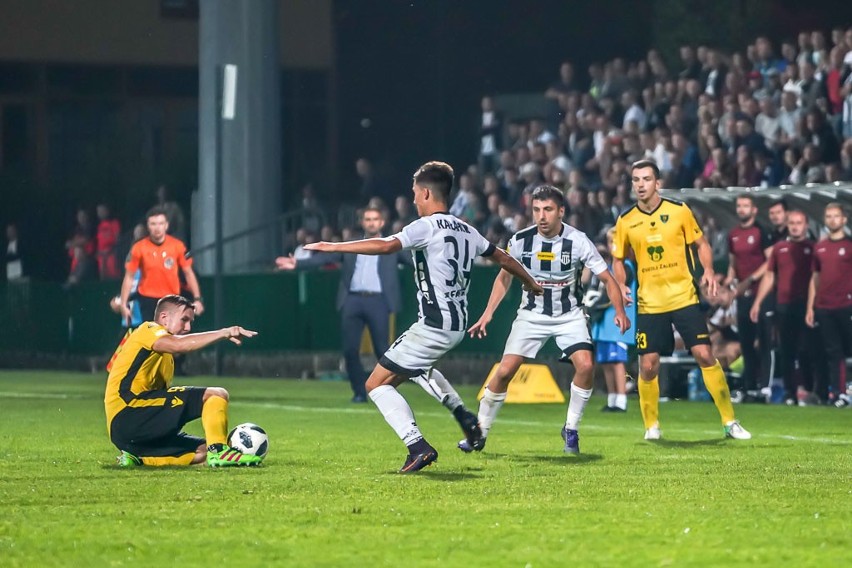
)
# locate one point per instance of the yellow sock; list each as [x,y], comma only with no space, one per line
[185,459]
[214,419]
[717,386]
[649,401]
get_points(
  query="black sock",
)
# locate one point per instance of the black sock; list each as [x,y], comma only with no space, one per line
[215,448]
[461,413]
[421,446]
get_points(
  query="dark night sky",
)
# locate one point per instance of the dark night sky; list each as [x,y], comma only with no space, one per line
[417,69]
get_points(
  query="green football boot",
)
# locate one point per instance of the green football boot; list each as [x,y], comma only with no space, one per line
[220,455]
[126,459]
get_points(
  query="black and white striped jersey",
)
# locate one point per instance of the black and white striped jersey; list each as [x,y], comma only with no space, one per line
[557,264]
[443,247]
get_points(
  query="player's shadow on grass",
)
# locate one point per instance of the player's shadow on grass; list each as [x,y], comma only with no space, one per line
[688,443]
[559,459]
[438,475]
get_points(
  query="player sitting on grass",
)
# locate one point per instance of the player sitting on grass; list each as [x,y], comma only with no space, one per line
[145,414]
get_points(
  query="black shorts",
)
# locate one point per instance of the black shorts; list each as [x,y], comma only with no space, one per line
[654,331]
[155,431]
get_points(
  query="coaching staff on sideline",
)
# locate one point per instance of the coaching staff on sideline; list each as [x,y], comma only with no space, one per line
[367,295]
[158,257]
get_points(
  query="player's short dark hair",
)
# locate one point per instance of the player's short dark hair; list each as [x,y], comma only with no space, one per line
[638,165]
[748,197]
[545,192]
[155,211]
[437,176]
[782,202]
[170,302]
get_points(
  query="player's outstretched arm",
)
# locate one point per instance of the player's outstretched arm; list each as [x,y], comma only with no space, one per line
[384,245]
[194,341]
[498,292]
[516,269]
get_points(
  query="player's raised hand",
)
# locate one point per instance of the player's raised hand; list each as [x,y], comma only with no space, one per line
[285,263]
[478,329]
[622,322]
[237,333]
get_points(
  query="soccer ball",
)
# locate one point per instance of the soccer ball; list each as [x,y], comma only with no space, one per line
[249,439]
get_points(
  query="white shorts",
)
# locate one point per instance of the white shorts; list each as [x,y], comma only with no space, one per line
[418,348]
[531,331]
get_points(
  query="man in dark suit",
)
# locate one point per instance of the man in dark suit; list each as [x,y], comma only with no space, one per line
[367,295]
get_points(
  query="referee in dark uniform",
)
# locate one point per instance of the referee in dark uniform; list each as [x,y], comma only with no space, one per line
[368,294]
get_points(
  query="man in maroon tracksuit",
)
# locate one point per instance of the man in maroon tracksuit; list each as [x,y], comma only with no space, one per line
[789,269]
[749,245]
[829,305]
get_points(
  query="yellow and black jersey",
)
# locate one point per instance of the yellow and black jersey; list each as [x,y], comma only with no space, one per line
[135,369]
[661,243]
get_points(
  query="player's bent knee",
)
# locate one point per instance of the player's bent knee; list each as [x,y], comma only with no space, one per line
[216,391]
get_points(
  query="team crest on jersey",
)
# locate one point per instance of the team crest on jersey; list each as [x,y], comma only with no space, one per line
[750,239]
[664,218]
[169,262]
[566,256]
[841,252]
[656,253]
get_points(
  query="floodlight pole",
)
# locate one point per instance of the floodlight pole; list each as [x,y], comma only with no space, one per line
[226,90]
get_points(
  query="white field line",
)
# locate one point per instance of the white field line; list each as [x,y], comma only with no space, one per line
[534,423]
[370,410]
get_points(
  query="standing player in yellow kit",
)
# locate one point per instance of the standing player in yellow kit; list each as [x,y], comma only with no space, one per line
[661,233]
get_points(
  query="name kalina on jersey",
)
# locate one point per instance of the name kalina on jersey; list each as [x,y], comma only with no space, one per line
[452,225]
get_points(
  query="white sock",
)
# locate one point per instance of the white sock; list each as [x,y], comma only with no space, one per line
[576,406]
[436,384]
[397,413]
[610,399]
[621,401]
[489,406]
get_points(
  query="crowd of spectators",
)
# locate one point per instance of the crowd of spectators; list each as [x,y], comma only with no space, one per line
[766,116]
[756,118]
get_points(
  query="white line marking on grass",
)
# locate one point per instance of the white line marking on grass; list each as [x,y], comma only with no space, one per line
[36,395]
[534,423]
[529,423]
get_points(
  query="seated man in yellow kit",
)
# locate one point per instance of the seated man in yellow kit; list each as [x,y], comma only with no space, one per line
[145,414]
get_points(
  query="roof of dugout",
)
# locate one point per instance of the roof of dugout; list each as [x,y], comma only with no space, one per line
[719,202]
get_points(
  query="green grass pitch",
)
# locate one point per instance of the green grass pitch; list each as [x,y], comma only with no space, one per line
[329,494]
